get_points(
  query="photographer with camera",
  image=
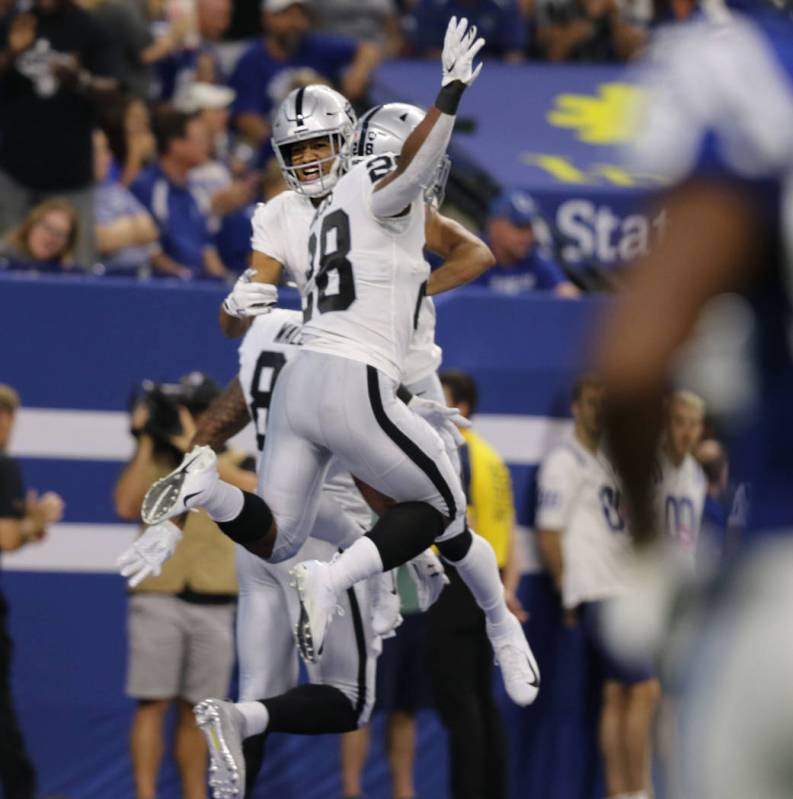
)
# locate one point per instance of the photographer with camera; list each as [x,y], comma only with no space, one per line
[180,623]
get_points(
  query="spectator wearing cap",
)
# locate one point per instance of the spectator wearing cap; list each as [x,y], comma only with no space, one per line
[520,265]
[263,73]
[230,196]
[126,236]
[499,21]
[181,214]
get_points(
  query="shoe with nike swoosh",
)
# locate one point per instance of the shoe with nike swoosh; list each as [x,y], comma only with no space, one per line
[182,489]
[518,666]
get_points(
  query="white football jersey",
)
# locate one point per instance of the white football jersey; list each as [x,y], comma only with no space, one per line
[271,341]
[280,230]
[367,274]
[680,500]
[578,495]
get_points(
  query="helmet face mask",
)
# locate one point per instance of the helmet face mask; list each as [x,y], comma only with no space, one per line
[314,112]
[384,129]
[329,168]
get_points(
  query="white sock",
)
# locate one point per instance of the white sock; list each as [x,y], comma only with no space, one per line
[479,571]
[224,502]
[256,717]
[359,562]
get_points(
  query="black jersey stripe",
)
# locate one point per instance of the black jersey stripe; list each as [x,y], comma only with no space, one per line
[360,643]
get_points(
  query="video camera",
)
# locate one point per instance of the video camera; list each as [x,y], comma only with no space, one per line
[162,400]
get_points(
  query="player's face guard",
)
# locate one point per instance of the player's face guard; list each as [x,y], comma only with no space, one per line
[328,169]
[436,191]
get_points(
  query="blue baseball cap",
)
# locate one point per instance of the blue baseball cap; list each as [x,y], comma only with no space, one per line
[515,205]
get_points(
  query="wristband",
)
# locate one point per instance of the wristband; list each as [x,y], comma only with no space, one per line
[449,97]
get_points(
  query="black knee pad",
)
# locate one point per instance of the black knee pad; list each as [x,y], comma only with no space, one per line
[405,531]
[455,549]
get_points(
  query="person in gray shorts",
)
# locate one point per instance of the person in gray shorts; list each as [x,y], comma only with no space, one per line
[180,622]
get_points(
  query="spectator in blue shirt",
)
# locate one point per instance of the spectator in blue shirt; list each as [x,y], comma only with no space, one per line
[181,216]
[520,265]
[263,74]
[499,21]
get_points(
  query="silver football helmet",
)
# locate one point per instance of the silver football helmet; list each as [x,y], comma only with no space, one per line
[312,112]
[384,128]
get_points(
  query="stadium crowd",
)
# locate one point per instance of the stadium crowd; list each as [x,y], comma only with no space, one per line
[134,137]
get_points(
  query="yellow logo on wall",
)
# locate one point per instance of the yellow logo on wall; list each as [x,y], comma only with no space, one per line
[606,118]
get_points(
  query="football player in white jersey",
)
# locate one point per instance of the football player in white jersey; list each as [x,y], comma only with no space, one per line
[584,544]
[342,685]
[681,482]
[346,379]
[366,277]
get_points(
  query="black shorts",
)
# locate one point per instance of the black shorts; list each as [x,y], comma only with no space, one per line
[402,679]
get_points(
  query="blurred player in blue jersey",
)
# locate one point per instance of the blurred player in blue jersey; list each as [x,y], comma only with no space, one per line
[720,116]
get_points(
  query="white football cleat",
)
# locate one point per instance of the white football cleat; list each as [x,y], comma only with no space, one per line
[385,602]
[318,605]
[183,488]
[429,577]
[519,669]
[223,725]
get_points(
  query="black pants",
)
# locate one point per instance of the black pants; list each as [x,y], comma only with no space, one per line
[461,668]
[17,776]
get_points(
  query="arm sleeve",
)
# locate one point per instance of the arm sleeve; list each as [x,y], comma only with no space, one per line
[557,484]
[267,236]
[721,127]
[400,193]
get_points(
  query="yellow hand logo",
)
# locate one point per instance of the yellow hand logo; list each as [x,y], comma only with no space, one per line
[607,118]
